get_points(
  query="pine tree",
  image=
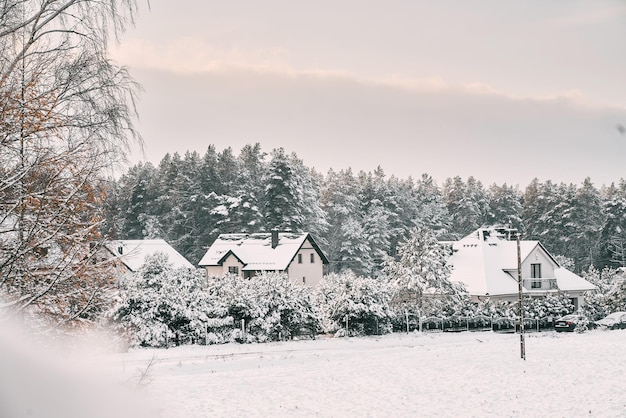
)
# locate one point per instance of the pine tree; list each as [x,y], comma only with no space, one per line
[613,234]
[505,207]
[421,275]
[467,204]
[431,212]
[339,201]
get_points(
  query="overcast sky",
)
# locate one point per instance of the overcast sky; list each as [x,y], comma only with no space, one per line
[503,91]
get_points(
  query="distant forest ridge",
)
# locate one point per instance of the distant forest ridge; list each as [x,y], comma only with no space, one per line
[357,218]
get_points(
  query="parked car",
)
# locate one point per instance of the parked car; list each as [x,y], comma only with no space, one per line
[616,320]
[568,323]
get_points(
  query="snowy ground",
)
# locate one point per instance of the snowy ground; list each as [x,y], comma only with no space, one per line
[465,374]
[444,374]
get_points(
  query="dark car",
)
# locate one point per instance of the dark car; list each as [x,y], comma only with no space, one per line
[616,320]
[568,323]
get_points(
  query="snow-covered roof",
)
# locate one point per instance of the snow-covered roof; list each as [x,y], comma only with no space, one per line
[255,250]
[566,280]
[487,264]
[133,252]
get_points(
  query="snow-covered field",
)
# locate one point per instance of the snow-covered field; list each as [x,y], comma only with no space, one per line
[443,374]
[465,374]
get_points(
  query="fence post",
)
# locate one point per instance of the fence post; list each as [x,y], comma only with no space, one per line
[406,318]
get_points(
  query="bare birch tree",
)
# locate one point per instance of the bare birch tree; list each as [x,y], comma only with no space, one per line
[66,116]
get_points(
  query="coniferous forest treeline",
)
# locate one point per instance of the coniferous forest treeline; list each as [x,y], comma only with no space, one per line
[357,218]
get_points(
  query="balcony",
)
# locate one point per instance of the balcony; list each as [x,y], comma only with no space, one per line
[539,284]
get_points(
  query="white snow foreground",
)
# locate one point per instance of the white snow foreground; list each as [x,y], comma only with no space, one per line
[429,374]
[46,382]
[445,374]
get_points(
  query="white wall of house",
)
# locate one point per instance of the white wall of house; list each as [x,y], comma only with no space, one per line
[231,261]
[306,267]
[538,256]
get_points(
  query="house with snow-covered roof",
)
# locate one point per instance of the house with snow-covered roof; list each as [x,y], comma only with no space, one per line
[132,253]
[246,255]
[486,262]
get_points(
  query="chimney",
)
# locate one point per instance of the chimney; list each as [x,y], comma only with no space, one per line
[274,238]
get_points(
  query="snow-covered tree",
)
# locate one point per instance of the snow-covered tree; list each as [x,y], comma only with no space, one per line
[283,195]
[613,234]
[362,304]
[431,212]
[160,306]
[268,306]
[467,204]
[421,274]
[66,115]
[339,201]
[505,207]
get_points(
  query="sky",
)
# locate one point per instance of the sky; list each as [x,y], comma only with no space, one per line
[502,91]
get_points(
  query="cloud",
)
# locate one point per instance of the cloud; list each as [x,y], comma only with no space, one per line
[408,126]
[189,55]
[193,56]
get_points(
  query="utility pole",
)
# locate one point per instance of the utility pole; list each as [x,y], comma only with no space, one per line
[519,300]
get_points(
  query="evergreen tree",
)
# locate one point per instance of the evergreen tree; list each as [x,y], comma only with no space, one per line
[431,212]
[466,203]
[282,195]
[587,220]
[339,201]
[421,275]
[613,234]
[505,207]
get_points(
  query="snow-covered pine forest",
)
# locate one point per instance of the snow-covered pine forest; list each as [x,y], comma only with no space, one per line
[357,218]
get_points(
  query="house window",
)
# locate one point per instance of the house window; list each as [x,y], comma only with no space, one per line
[299,258]
[312,258]
[535,271]
[535,284]
[233,269]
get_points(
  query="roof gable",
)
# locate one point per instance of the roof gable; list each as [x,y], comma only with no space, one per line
[255,251]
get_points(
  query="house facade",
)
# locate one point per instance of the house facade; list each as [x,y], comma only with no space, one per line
[486,262]
[246,255]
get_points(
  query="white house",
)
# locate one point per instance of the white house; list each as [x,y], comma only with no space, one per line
[486,262]
[247,255]
[132,253]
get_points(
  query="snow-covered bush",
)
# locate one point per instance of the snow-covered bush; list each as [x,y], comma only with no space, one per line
[552,306]
[159,306]
[610,295]
[269,306]
[362,303]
